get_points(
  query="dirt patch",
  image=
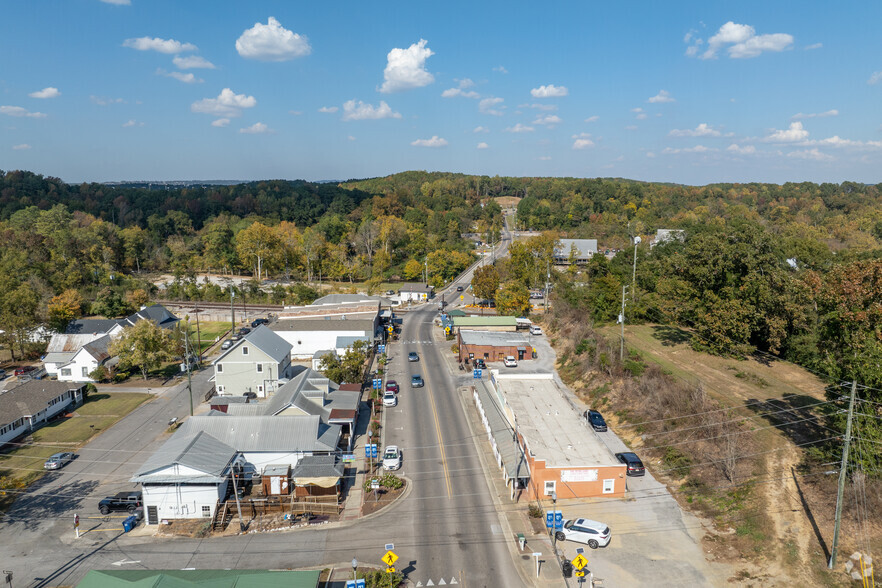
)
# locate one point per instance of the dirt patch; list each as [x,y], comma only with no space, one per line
[507,201]
[384,498]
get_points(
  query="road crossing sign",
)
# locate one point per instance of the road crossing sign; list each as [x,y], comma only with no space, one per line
[580,561]
[580,573]
[390,558]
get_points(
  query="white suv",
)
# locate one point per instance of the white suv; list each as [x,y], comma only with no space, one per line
[389,398]
[592,533]
[510,361]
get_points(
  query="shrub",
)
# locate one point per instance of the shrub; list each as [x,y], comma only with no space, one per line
[635,368]
[535,511]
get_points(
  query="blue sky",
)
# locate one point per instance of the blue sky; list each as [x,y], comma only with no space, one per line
[690,92]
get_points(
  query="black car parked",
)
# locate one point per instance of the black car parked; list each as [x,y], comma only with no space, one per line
[259,321]
[121,501]
[479,364]
[630,459]
[596,420]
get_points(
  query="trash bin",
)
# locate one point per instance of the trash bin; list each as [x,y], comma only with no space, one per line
[138,514]
[566,566]
[129,523]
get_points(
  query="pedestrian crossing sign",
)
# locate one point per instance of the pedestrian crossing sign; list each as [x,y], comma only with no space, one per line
[390,558]
[580,562]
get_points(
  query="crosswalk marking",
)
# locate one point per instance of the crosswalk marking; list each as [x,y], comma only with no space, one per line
[441,582]
[453,581]
[430,583]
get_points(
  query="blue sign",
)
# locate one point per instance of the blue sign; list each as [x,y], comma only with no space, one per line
[549,519]
[477,374]
[381,348]
[558,520]
[367,450]
[378,383]
[359,583]
[350,583]
[374,447]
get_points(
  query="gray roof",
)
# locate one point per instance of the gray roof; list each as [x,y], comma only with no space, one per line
[325,324]
[156,313]
[344,341]
[318,466]
[279,469]
[199,451]
[267,341]
[585,247]
[60,358]
[323,352]
[511,453]
[90,326]
[99,349]
[495,338]
[250,409]
[344,298]
[31,397]
[68,343]
[262,433]
[313,394]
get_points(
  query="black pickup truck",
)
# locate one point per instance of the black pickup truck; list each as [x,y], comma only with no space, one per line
[121,501]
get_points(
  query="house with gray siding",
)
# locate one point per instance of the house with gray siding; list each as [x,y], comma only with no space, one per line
[29,406]
[255,364]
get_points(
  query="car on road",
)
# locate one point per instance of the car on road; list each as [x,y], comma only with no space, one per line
[586,531]
[413,356]
[58,460]
[510,361]
[416,381]
[259,321]
[392,386]
[244,331]
[3,374]
[630,459]
[389,398]
[595,419]
[459,288]
[535,330]
[480,364]
[392,458]
[24,370]
[390,292]
[226,344]
[121,501]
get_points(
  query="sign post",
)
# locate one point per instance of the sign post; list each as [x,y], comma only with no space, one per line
[77,525]
[537,555]
[389,559]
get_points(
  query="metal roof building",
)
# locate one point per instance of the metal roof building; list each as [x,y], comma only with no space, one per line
[298,434]
[198,458]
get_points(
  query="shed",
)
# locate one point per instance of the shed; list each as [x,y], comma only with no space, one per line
[317,475]
[276,480]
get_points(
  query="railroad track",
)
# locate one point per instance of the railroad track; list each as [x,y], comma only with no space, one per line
[193,305]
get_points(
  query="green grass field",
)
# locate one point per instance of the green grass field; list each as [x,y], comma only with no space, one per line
[209,331]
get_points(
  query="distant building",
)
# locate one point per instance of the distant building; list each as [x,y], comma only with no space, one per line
[492,345]
[667,236]
[486,323]
[575,250]
[416,292]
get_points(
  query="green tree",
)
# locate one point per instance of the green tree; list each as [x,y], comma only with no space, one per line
[111,304]
[513,299]
[144,346]
[413,270]
[260,244]
[485,282]
[350,367]
[64,308]
[18,315]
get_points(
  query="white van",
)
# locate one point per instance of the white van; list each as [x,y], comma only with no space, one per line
[535,330]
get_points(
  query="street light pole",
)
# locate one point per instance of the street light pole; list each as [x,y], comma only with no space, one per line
[634,271]
[354,568]
[554,520]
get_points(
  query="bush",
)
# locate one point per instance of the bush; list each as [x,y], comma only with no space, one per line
[99,374]
[635,368]
[535,511]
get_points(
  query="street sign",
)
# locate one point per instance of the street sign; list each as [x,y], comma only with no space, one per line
[349,457]
[381,348]
[390,570]
[378,383]
[558,520]
[580,573]
[580,561]
[476,374]
[359,583]
[462,297]
[549,519]
[374,447]
[390,558]
[350,583]
[367,450]
[375,484]
[390,329]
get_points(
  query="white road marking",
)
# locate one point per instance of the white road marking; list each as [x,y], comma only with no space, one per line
[123,562]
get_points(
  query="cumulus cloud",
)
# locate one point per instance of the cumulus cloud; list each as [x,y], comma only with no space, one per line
[739,150]
[18,111]
[825,114]
[328,109]
[519,128]
[696,149]
[790,135]
[192,62]
[544,158]
[537,106]
[813,46]
[132,123]
[592,119]
[582,141]
[702,130]
[549,91]
[228,104]
[642,116]
[257,128]
[406,68]
[49,92]
[480,129]
[461,90]
[662,97]
[487,106]
[482,145]
[221,122]
[21,147]
[435,141]
[838,142]
[168,46]
[359,110]
[810,154]
[740,41]
[187,78]
[271,42]
[875,78]
[549,120]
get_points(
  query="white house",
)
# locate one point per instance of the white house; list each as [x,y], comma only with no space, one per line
[255,363]
[85,361]
[415,292]
[186,477]
[583,249]
[307,336]
[28,406]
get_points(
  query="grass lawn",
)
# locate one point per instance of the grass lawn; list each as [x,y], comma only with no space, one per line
[24,465]
[209,331]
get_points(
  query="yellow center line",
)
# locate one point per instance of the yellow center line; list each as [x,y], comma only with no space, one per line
[440,441]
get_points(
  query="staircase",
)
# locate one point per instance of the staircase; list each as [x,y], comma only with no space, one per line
[222,516]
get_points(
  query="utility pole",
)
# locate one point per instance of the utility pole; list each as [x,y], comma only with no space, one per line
[622,321]
[198,338]
[232,313]
[236,493]
[843,472]
[187,362]
[634,272]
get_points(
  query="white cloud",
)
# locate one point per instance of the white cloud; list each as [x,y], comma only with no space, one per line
[811,154]
[435,141]
[102,101]
[824,114]
[487,105]
[650,154]
[742,42]
[187,78]
[662,97]
[18,111]
[549,91]
[257,128]
[696,149]
[271,42]
[328,109]
[482,145]
[813,46]
[791,135]
[406,68]
[453,92]
[875,78]
[642,116]
[351,138]
[49,92]
[168,46]
[549,120]
[21,147]
[221,122]
[638,109]
[839,142]
[500,69]
[582,141]
[353,110]
[544,158]
[192,62]
[592,119]
[545,107]
[702,130]
[519,128]
[480,129]
[738,149]
[228,104]
[132,123]
[118,2]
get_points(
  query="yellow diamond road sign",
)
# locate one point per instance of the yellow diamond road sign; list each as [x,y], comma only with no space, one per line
[390,558]
[580,562]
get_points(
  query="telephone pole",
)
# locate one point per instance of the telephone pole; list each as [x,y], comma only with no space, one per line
[187,362]
[622,321]
[843,472]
